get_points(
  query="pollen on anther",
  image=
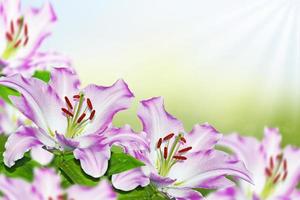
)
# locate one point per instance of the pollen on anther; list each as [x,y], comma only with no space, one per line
[268,172]
[271,162]
[25,41]
[159,143]
[68,102]
[180,157]
[77,96]
[67,112]
[89,103]
[285,165]
[168,137]
[92,115]
[17,44]
[9,37]
[276,178]
[185,150]
[81,118]
[183,139]
[12,29]
[26,29]
[165,153]
[284,175]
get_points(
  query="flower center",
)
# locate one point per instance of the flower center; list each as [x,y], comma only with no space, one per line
[78,114]
[16,36]
[170,150]
[275,172]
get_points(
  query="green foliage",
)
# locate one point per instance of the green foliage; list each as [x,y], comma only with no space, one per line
[5,92]
[42,75]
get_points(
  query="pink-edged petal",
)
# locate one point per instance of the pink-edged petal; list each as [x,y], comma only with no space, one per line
[65,81]
[66,143]
[20,142]
[184,194]
[16,189]
[202,137]
[131,179]
[216,183]
[157,122]
[160,181]
[203,166]
[295,195]
[39,102]
[93,160]
[271,142]
[231,193]
[39,22]
[47,183]
[41,155]
[107,101]
[102,191]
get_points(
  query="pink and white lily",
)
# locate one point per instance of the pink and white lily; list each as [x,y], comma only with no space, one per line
[67,118]
[275,171]
[176,161]
[21,35]
[46,186]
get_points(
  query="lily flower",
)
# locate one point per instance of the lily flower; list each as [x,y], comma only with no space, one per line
[22,33]
[177,162]
[275,171]
[46,186]
[67,118]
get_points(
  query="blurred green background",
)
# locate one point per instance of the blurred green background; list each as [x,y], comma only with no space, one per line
[234,64]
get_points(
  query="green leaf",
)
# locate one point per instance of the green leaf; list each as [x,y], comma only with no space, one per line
[72,172]
[120,162]
[22,169]
[6,91]
[3,139]
[42,75]
[142,193]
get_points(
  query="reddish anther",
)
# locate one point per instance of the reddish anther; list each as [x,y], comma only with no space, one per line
[268,172]
[183,139]
[25,41]
[92,115]
[159,143]
[17,44]
[271,163]
[68,102]
[168,137]
[81,118]
[9,37]
[26,29]
[279,157]
[19,21]
[89,103]
[185,150]
[284,175]
[276,178]
[12,29]
[165,153]
[67,112]
[77,96]
[180,157]
[285,165]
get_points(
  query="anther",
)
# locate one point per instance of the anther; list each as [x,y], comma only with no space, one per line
[168,137]
[25,41]
[67,112]
[271,163]
[77,96]
[17,44]
[92,115]
[285,165]
[89,103]
[20,21]
[284,175]
[165,152]
[159,143]
[68,102]
[81,118]
[12,29]
[180,157]
[26,29]
[276,178]
[183,139]
[9,37]
[185,150]
[279,157]
[268,172]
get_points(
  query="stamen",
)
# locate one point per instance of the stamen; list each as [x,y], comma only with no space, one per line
[12,29]
[159,143]
[17,43]
[279,157]
[81,118]
[76,96]
[89,103]
[183,139]
[26,29]
[165,152]
[285,165]
[284,175]
[180,157]
[92,115]
[268,172]
[26,41]
[67,112]
[20,21]
[184,150]
[276,178]
[68,102]
[9,37]
[271,163]
[168,137]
